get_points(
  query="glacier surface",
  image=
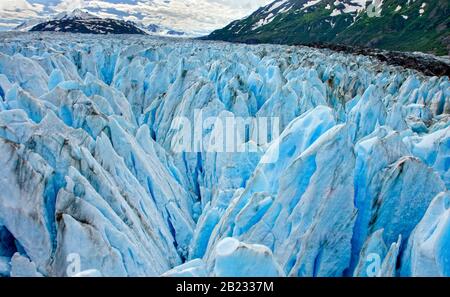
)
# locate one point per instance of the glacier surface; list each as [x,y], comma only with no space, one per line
[90,184]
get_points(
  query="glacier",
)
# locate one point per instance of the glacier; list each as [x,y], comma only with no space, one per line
[90,184]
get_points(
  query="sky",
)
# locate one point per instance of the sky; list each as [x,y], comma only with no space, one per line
[193,16]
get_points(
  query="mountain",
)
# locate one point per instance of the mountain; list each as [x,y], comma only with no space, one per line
[159,30]
[79,21]
[80,15]
[127,155]
[404,25]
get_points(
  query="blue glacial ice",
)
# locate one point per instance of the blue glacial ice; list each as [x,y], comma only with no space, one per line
[90,184]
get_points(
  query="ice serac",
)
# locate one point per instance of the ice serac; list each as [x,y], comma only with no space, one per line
[376,260]
[234,258]
[354,184]
[385,183]
[22,266]
[250,205]
[194,268]
[26,199]
[427,252]
[304,183]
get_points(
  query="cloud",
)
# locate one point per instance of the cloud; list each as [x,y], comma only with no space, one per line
[68,5]
[196,16]
[13,12]
[199,16]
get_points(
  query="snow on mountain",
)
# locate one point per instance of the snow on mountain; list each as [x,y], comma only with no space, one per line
[89,174]
[154,29]
[76,14]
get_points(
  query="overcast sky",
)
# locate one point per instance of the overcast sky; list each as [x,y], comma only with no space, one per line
[201,16]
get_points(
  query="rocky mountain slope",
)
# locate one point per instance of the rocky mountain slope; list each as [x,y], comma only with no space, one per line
[404,25]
